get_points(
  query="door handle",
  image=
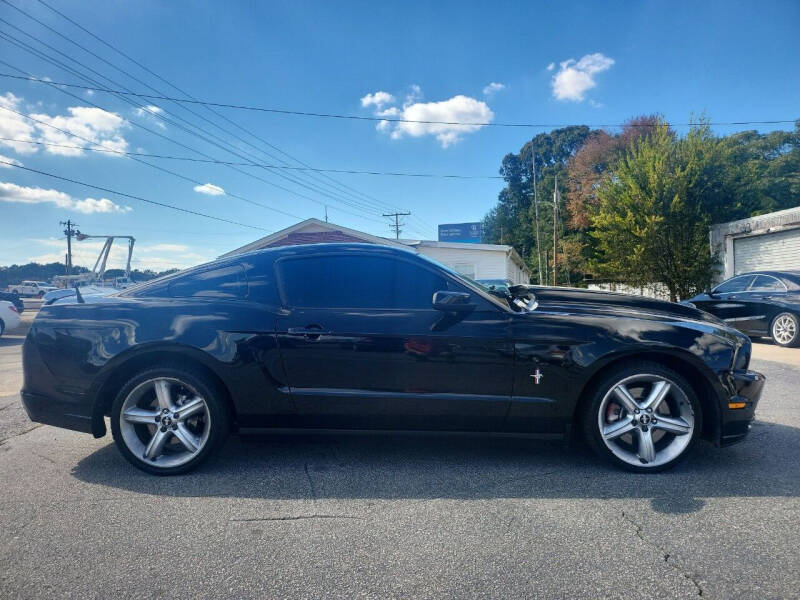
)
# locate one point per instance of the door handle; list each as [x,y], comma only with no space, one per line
[311,331]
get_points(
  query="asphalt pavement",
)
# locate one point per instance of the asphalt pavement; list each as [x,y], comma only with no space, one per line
[377,517]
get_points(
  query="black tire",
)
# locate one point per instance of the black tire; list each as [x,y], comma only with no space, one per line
[219,421]
[591,428]
[2,327]
[40,295]
[795,341]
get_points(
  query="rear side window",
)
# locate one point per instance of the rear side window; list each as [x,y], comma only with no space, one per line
[345,281]
[737,284]
[766,283]
[221,282]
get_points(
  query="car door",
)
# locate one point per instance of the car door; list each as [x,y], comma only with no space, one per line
[363,347]
[759,300]
[726,301]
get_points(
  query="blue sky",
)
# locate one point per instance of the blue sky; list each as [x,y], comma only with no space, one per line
[563,63]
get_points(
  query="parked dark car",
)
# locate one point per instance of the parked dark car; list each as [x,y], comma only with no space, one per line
[368,337]
[760,304]
[14,298]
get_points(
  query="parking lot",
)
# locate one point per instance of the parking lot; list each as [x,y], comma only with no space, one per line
[394,516]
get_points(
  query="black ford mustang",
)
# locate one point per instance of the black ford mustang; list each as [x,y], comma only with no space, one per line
[353,336]
[764,304]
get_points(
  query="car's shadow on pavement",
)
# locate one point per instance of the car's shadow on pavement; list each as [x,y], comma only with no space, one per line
[400,467]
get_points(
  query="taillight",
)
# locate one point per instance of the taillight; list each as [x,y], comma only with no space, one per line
[14,308]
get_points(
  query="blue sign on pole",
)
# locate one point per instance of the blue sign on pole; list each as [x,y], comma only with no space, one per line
[470,233]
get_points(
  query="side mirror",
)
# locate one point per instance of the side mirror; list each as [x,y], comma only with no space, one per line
[452,301]
[710,293]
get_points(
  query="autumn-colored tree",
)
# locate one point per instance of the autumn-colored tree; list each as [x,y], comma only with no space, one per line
[595,161]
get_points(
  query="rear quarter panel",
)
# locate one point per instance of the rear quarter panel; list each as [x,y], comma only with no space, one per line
[82,346]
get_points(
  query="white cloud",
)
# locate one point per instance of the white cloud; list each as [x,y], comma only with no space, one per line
[11,192]
[151,112]
[15,126]
[209,189]
[551,66]
[574,79]
[460,109]
[101,205]
[493,88]
[6,159]
[101,128]
[149,109]
[414,95]
[377,99]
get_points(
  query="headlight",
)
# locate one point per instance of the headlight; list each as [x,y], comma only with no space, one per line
[741,358]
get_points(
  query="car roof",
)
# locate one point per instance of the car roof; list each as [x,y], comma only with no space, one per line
[792,276]
[300,249]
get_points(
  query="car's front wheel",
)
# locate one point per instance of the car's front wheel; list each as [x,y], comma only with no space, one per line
[643,417]
[168,420]
[785,330]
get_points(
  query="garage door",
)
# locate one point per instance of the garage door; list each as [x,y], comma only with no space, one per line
[777,251]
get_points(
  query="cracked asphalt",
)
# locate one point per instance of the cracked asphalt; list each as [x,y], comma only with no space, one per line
[377,517]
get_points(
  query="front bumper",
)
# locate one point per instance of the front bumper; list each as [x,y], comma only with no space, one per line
[743,387]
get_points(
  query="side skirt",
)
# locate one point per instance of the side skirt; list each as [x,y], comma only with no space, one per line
[398,432]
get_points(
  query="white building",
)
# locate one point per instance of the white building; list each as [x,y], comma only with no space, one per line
[479,261]
[765,242]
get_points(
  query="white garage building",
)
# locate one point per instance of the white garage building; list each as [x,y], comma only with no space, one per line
[478,261]
[765,242]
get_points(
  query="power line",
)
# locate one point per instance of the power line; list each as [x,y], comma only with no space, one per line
[14,41]
[173,173]
[246,164]
[382,204]
[133,197]
[178,175]
[156,114]
[389,119]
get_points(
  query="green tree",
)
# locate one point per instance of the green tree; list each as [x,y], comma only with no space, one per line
[511,221]
[651,222]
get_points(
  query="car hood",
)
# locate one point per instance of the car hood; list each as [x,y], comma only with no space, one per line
[616,304]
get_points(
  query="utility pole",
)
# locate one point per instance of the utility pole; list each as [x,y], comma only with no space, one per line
[555,232]
[536,216]
[326,213]
[397,222]
[69,232]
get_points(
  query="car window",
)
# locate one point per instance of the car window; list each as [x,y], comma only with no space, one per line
[766,283]
[345,281]
[737,284]
[221,282]
[261,286]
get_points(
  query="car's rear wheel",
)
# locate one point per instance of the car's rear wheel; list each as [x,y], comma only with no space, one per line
[2,327]
[785,330]
[168,420]
[643,417]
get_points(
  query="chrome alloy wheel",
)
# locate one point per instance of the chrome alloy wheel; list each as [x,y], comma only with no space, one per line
[165,422]
[646,420]
[784,329]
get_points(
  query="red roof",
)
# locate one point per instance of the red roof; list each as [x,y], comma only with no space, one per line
[315,237]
